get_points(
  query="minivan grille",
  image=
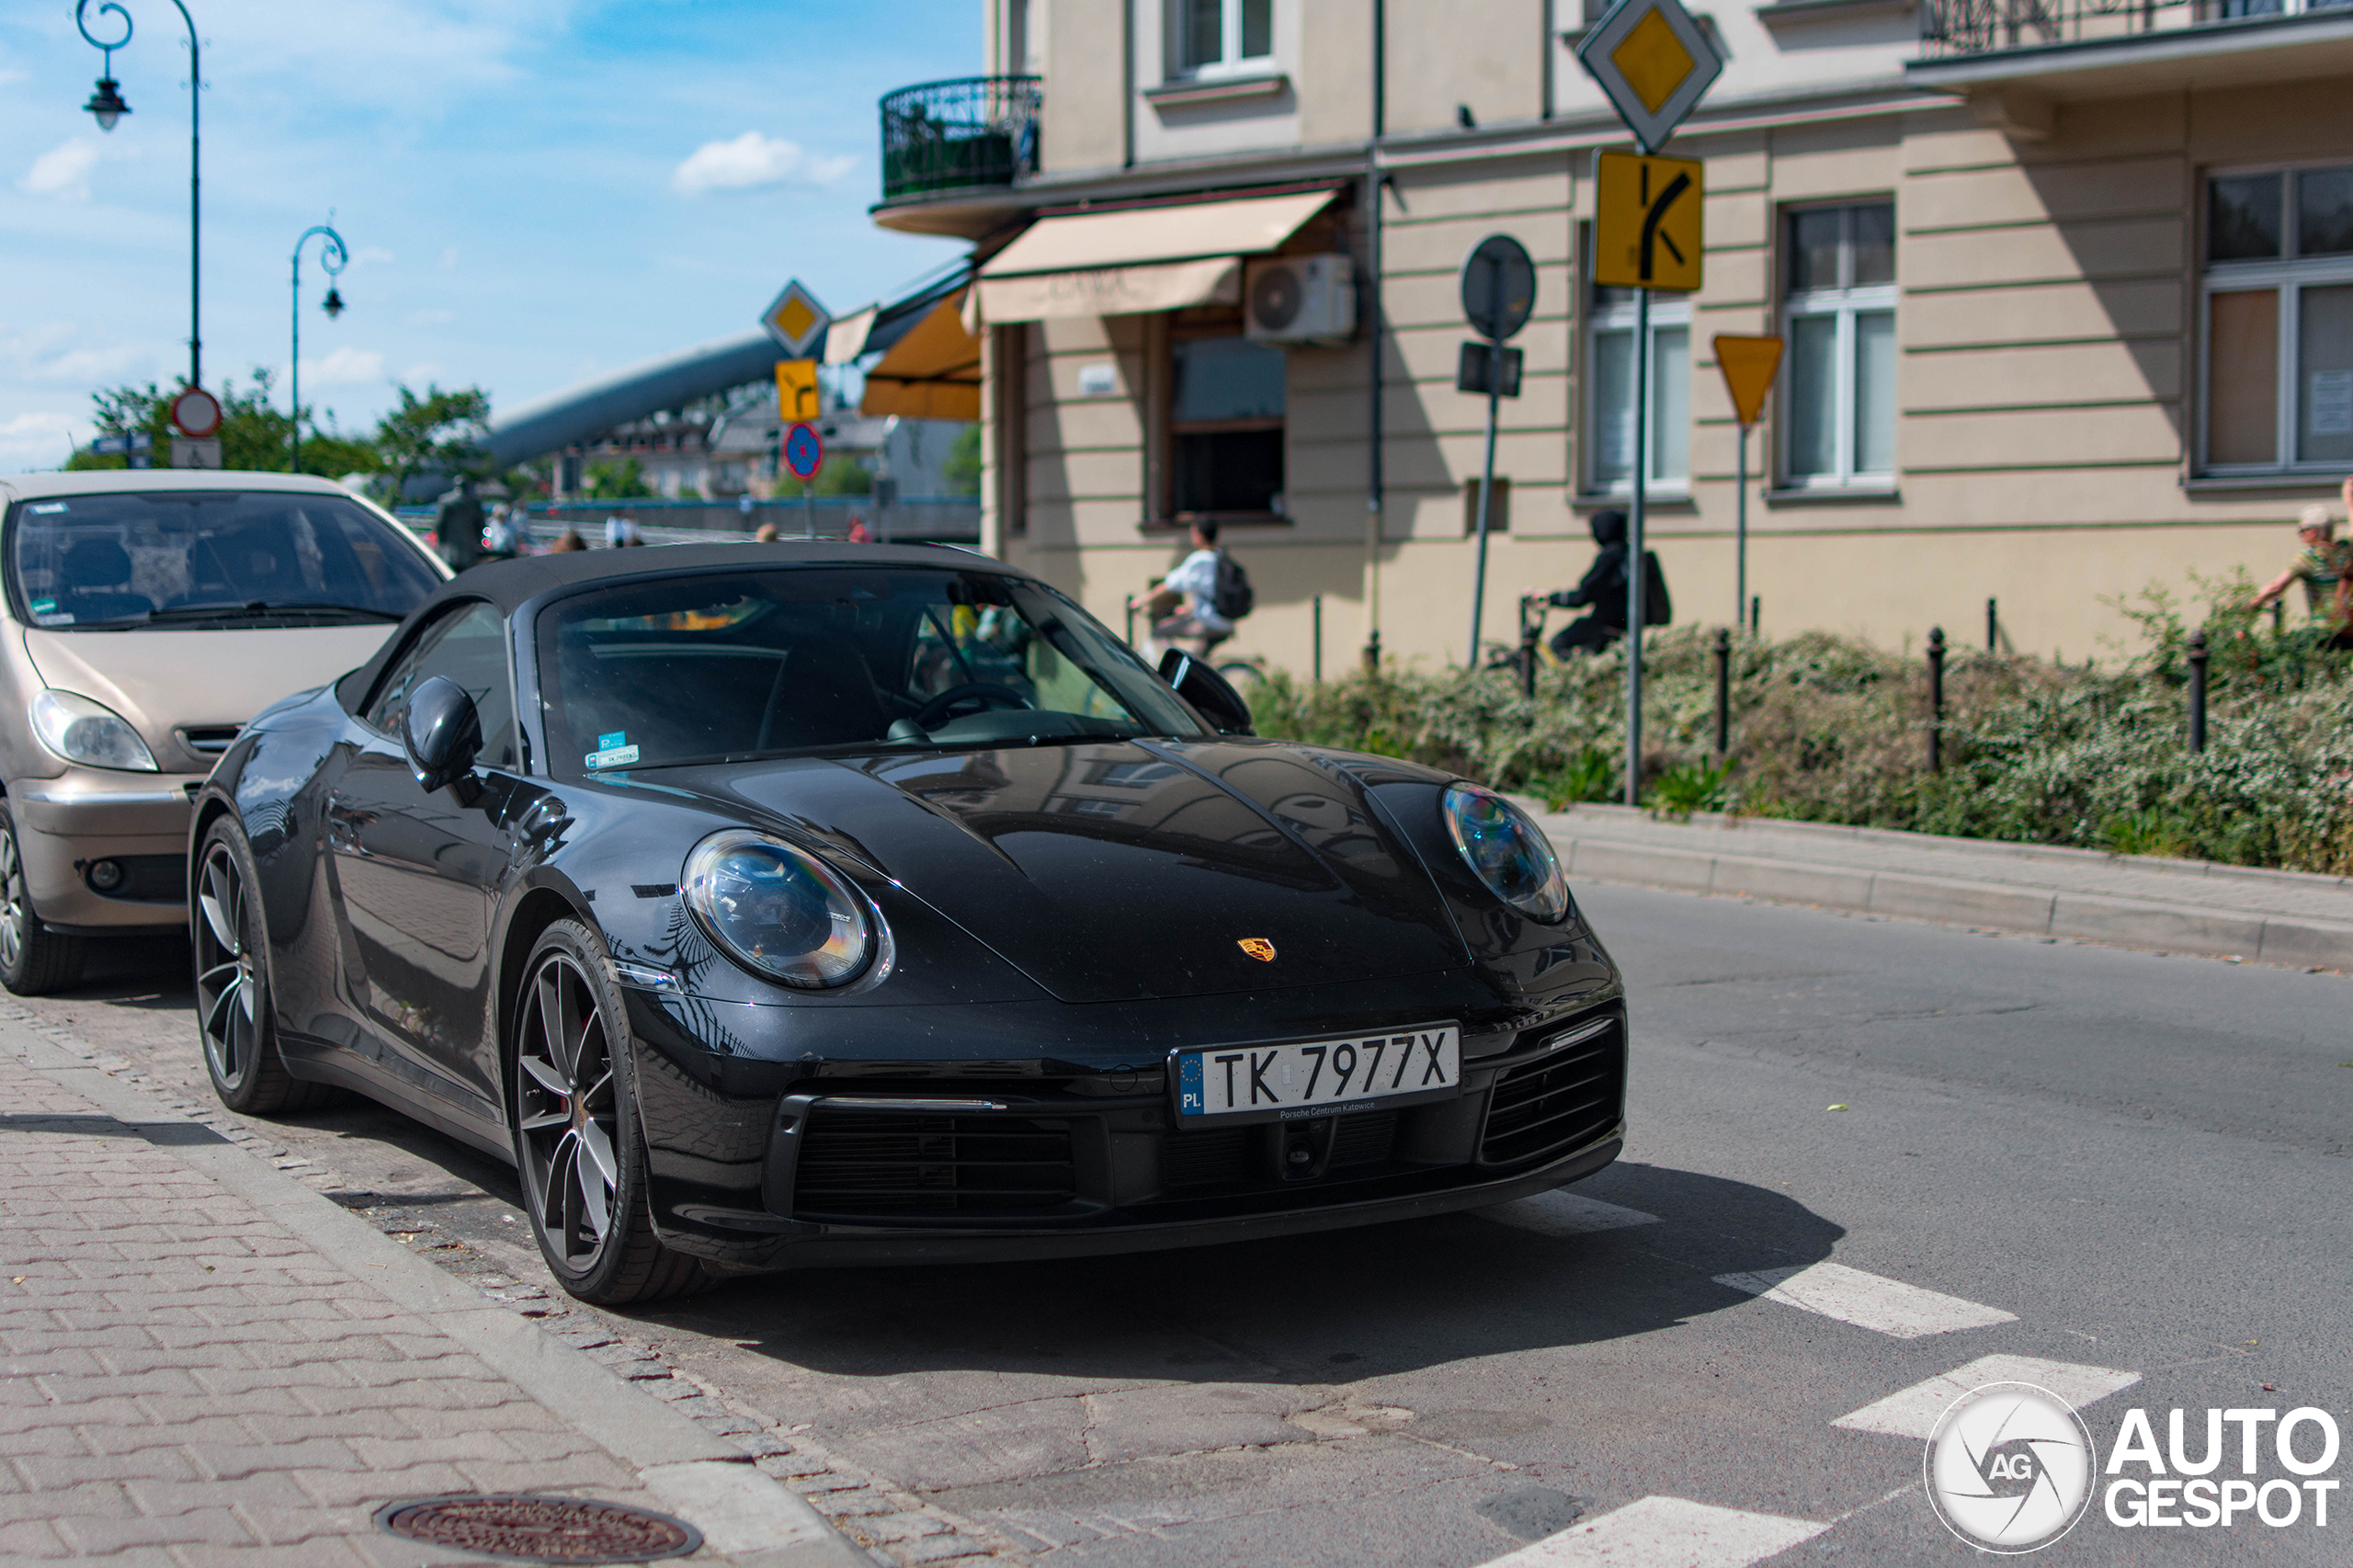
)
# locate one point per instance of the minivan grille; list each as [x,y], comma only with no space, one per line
[1556,1103]
[857,1164]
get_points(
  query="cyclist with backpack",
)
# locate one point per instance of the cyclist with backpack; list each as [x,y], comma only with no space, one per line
[1197,604]
[1602,592]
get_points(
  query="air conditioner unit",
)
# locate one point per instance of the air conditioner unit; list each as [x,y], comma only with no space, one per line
[1300,298]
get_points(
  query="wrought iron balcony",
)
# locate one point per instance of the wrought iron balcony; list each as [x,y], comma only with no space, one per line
[1951,28]
[976,131]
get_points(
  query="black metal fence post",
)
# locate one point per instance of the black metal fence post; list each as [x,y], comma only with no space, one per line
[1528,633]
[1372,652]
[1993,629]
[2197,690]
[1319,639]
[1755,613]
[1723,690]
[1935,698]
[1131,620]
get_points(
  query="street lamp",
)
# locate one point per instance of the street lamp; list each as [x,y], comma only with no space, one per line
[332,256]
[106,105]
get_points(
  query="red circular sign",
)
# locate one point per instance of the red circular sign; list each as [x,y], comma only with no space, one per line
[196,412]
[803,452]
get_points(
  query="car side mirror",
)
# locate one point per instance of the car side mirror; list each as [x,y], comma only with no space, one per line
[443,733]
[1211,694]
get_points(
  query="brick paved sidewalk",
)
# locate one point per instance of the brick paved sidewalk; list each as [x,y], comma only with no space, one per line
[191,1378]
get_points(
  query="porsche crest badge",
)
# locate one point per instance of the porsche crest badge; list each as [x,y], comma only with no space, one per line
[1258,947]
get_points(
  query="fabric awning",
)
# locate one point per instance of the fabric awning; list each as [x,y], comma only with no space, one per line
[1138,259]
[932,372]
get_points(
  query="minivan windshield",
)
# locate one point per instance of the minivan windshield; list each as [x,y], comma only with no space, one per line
[723,668]
[189,559]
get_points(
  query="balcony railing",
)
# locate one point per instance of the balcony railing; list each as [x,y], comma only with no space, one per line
[1949,27]
[978,131]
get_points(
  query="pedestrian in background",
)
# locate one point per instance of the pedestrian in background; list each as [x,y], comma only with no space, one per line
[858,531]
[622,530]
[505,539]
[567,542]
[2324,566]
[1601,592]
[457,525]
[768,533]
[1186,606]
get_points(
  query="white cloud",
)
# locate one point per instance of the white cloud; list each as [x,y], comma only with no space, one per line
[63,171]
[364,255]
[753,160]
[429,318]
[422,372]
[59,353]
[345,367]
[41,440]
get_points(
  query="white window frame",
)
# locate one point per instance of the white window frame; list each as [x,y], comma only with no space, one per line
[2286,275]
[1668,312]
[1230,61]
[1844,303]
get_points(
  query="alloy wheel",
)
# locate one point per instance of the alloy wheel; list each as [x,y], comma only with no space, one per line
[567,1111]
[13,913]
[226,975]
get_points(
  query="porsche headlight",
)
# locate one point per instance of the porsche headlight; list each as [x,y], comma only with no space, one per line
[1506,851]
[778,911]
[89,732]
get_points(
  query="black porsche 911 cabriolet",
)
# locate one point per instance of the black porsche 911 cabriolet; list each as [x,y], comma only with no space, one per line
[785,905]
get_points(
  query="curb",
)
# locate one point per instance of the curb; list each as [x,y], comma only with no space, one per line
[2139,923]
[746,1516]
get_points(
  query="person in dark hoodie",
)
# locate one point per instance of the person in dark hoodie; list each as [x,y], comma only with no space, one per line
[1601,594]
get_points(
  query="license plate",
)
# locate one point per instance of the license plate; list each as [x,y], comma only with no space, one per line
[1319,1077]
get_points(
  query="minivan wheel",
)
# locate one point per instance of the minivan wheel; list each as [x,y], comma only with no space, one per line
[34,960]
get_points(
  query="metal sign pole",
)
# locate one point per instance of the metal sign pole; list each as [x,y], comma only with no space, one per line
[1634,572]
[1739,535]
[1487,475]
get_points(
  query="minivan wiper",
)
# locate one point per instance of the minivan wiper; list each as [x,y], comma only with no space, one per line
[268,607]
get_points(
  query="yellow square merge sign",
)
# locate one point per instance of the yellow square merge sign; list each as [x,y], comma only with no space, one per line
[1654,62]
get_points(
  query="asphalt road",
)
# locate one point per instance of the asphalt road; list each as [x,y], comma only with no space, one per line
[2130,1169]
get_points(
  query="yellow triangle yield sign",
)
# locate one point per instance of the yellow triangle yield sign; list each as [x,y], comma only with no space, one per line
[1748,364]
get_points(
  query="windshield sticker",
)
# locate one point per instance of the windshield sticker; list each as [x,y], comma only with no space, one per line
[613,756]
[44,607]
[46,508]
[613,742]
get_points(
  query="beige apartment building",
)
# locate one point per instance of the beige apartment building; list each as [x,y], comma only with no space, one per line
[2067,286]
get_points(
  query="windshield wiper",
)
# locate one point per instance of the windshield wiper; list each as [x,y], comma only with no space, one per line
[267,606]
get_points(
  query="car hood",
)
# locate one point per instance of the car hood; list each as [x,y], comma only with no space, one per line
[163,681]
[1132,871]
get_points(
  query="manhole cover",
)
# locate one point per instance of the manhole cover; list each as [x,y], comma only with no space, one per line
[540,1530]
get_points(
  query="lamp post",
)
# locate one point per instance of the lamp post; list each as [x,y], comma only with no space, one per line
[106,105]
[332,256]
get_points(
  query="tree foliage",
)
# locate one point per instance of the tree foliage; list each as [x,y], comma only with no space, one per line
[441,432]
[605,479]
[254,434]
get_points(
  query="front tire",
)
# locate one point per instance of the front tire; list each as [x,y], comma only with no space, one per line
[577,1146]
[232,1006]
[34,960]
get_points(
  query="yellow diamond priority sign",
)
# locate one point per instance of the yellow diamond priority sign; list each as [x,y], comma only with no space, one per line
[797,322]
[1654,62]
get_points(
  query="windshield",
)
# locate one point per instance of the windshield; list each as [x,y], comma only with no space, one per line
[209,558]
[766,663]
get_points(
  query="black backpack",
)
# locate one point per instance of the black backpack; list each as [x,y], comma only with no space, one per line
[1232,597]
[1657,608]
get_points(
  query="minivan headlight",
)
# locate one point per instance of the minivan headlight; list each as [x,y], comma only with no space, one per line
[1506,851]
[779,911]
[89,732]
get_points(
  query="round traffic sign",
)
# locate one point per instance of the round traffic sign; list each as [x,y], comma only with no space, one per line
[803,452]
[1498,286]
[196,412]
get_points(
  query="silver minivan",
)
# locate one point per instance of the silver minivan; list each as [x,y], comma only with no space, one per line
[148,616]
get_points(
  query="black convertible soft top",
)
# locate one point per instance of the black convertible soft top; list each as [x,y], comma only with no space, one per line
[509,584]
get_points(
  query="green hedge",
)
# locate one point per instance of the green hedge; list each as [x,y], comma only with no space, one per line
[1828,729]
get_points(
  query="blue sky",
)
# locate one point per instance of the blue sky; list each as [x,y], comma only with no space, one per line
[534,191]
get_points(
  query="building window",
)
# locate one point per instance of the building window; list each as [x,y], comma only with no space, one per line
[1609,401]
[1222,35]
[1225,425]
[2279,320]
[1839,398]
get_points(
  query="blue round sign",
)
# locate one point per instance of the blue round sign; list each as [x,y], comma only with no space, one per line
[803,452]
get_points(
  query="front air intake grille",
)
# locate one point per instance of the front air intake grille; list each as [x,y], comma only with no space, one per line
[1206,1159]
[209,740]
[1557,1103]
[858,1164]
